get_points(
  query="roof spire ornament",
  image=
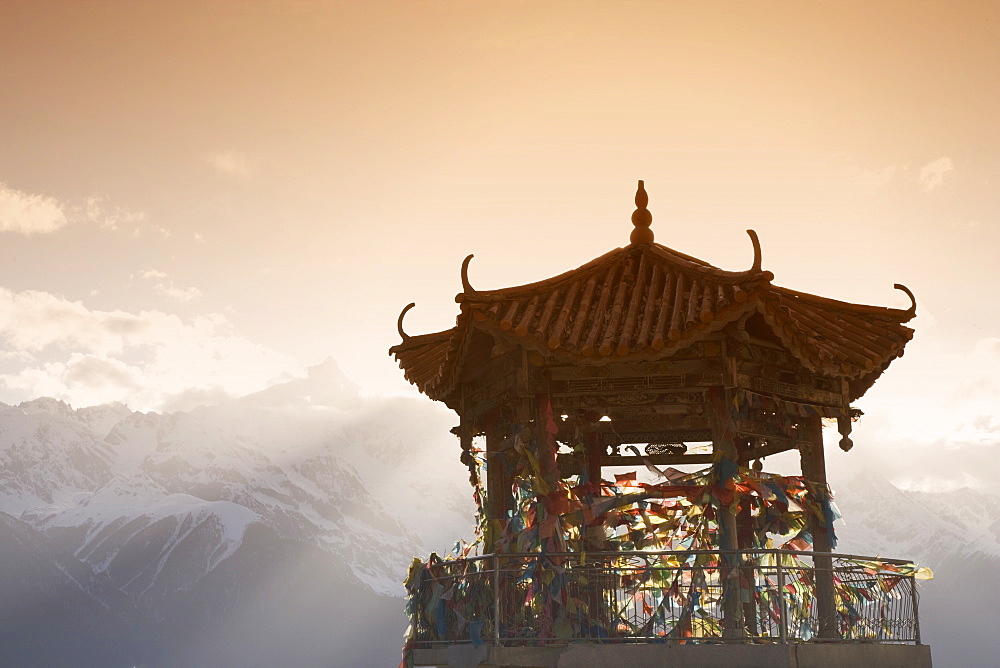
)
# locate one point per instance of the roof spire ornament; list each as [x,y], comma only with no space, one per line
[642,219]
[912,311]
[466,286]
[755,269]
[399,323]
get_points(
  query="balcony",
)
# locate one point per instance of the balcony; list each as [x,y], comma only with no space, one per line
[671,598]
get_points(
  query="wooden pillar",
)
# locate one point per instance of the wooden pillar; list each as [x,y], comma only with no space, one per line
[595,537]
[544,412]
[723,446]
[745,540]
[814,470]
[499,498]
[592,448]
[467,458]
[593,452]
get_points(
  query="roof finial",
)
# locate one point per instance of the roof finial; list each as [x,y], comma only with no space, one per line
[641,218]
[466,286]
[912,311]
[755,269]
[399,323]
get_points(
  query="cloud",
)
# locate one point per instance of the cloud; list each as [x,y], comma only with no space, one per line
[62,349]
[232,163]
[939,403]
[966,225]
[177,294]
[929,177]
[29,214]
[876,178]
[932,174]
[31,321]
[163,232]
[97,210]
[94,371]
[324,385]
[167,288]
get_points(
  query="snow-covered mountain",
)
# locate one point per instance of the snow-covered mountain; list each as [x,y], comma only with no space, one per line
[275,530]
[957,534]
[882,519]
[53,608]
[212,514]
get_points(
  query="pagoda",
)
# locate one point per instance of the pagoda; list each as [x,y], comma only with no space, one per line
[650,359]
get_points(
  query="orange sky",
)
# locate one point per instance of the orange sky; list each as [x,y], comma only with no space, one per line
[199,199]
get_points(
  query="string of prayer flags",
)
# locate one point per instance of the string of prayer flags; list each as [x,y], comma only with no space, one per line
[452,598]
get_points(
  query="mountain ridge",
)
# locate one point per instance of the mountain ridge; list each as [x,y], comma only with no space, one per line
[260,518]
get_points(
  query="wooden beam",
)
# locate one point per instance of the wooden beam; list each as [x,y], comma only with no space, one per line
[655,429]
[699,459]
[657,460]
[768,450]
[790,391]
[632,370]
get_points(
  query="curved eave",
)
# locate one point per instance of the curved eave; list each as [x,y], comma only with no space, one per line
[428,361]
[646,303]
[837,339]
[896,315]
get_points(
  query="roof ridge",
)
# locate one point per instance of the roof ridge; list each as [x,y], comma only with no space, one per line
[415,340]
[703,267]
[846,306]
[680,261]
[506,293]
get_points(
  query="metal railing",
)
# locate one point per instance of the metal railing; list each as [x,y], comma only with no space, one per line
[670,597]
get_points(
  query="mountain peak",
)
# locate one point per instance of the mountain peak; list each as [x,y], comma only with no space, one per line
[324,386]
[46,405]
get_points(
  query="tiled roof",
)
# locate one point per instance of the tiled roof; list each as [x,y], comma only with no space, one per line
[836,338]
[647,302]
[633,303]
[425,360]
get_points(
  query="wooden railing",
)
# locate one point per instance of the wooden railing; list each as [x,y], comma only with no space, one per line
[668,597]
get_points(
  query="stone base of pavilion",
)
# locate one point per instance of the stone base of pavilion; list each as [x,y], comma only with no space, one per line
[812,655]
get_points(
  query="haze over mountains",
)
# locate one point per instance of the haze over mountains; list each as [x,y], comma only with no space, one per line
[957,534]
[275,529]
